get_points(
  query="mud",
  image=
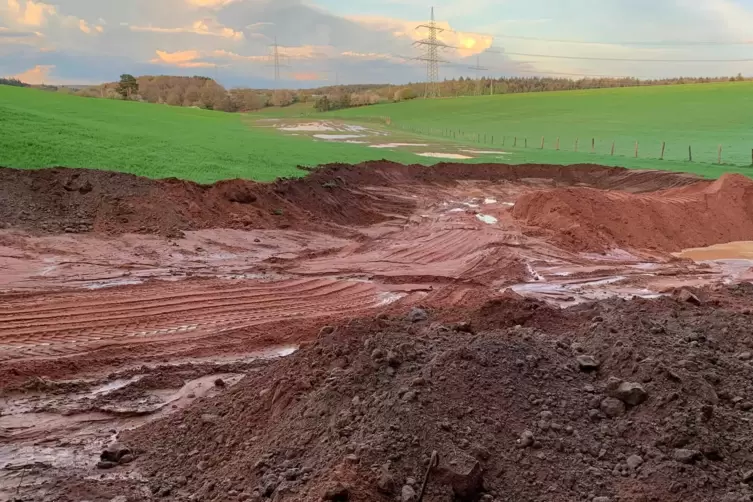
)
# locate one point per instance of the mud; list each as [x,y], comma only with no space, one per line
[167,286]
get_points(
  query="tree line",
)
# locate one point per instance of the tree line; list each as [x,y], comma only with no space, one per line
[206,93]
[13,82]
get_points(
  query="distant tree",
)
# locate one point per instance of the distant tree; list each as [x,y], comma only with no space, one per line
[282,98]
[191,96]
[13,82]
[174,98]
[405,94]
[128,85]
[322,104]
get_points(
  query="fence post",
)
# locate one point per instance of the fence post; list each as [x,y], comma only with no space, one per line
[515,143]
[542,142]
[504,139]
[526,142]
[720,155]
[663,144]
[690,154]
[593,145]
[576,143]
[612,148]
[636,149]
[558,143]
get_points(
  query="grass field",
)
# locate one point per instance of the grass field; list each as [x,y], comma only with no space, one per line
[42,129]
[701,115]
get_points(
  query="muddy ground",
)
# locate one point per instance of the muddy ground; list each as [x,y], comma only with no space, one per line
[319,338]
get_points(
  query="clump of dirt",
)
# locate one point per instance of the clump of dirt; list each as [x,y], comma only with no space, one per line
[613,401]
[585,219]
[83,200]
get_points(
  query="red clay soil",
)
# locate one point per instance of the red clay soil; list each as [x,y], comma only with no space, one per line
[585,219]
[82,200]
[356,415]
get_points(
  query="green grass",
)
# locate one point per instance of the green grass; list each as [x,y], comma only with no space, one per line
[42,129]
[702,116]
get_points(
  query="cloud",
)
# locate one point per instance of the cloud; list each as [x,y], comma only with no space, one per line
[306,76]
[205,26]
[30,13]
[84,26]
[209,3]
[38,75]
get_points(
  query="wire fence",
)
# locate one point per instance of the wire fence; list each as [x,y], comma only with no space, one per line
[730,155]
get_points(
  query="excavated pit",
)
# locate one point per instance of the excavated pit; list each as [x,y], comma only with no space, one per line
[124,298]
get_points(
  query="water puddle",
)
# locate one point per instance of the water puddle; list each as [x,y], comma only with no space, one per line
[486,218]
[440,155]
[397,145]
[334,137]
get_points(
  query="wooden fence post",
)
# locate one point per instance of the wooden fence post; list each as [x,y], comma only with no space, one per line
[542,142]
[690,153]
[576,144]
[515,144]
[663,144]
[636,149]
[504,138]
[612,148]
[526,141]
[720,155]
[593,145]
[557,147]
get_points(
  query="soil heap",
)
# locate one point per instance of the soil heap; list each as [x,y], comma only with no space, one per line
[642,400]
[84,200]
[586,219]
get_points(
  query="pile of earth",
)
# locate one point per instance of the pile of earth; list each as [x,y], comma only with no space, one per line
[641,400]
[585,219]
[83,200]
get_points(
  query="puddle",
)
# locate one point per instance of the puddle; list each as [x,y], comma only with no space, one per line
[439,155]
[310,127]
[486,218]
[489,200]
[334,137]
[396,145]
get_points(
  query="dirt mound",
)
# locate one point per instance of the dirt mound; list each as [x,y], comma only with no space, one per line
[82,200]
[585,219]
[594,401]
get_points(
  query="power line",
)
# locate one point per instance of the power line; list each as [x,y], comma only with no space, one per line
[478,68]
[675,43]
[431,46]
[635,60]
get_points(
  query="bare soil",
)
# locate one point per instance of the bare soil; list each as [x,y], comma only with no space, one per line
[476,311]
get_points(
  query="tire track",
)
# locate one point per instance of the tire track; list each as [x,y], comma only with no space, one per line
[80,322]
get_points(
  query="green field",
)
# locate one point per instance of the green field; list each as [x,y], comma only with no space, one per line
[702,116]
[42,129]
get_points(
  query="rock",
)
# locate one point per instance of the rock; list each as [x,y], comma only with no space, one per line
[526,439]
[106,464]
[601,499]
[408,494]
[386,481]
[351,459]
[686,456]
[119,498]
[114,453]
[612,407]
[417,315]
[209,418]
[337,493]
[634,461]
[630,393]
[587,363]
[326,330]
[748,477]
[686,296]
[745,356]
[126,459]
[219,383]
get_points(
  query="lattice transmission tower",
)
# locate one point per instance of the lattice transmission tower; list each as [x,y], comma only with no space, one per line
[478,68]
[431,46]
[276,61]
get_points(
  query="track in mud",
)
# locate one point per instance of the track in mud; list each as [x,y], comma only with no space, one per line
[73,323]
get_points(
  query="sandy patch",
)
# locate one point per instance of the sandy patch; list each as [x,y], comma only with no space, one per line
[310,127]
[396,145]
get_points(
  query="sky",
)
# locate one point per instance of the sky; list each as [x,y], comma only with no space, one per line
[323,42]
